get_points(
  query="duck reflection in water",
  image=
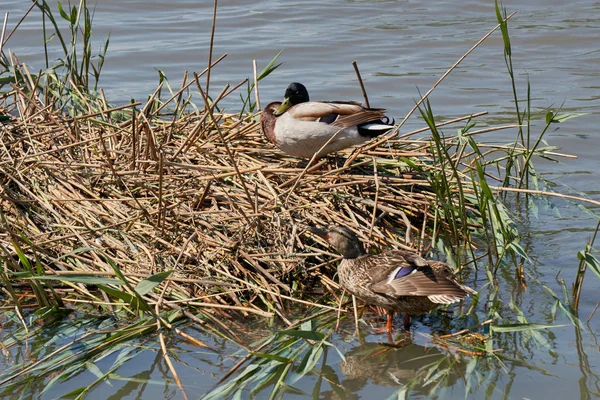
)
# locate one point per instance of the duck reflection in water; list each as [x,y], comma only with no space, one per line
[409,366]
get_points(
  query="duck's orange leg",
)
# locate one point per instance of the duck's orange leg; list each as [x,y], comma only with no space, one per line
[388,326]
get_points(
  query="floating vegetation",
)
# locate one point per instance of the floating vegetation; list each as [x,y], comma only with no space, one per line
[174,210]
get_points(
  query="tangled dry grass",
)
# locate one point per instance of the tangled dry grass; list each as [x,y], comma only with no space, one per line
[89,189]
[201,193]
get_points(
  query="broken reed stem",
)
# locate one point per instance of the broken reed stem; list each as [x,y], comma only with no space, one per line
[440,124]
[159,220]
[491,129]
[210,50]
[258,108]
[18,24]
[355,308]
[593,312]
[194,340]
[163,345]
[374,213]
[3,32]
[339,310]
[360,82]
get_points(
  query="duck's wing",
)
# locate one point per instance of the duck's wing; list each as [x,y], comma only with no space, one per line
[364,116]
[352,102]
[444,270]
[342,115]
[402,273]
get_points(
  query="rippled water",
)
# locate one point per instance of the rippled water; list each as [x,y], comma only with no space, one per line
[400,46]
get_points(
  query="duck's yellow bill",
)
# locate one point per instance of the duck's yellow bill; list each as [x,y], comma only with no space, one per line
[283,107]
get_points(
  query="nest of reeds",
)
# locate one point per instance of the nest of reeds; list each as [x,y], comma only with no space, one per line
[201,193]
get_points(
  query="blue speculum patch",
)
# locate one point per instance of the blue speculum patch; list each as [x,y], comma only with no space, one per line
[404,271]
[328,119]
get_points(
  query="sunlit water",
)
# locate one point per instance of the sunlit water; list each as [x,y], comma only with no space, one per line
[401,47]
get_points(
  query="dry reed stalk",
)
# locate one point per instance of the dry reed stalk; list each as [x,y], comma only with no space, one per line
[256,86]
[492,129]
[194,340]
[163,345]
[17,24]
[3,32]
[466,330]
[360,82]
[592,313]
[210,49]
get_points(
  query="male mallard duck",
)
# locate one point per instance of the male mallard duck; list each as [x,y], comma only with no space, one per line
[396,280]
[300,127]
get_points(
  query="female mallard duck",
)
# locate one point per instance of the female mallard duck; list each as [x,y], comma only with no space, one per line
[300,127]
[396,280]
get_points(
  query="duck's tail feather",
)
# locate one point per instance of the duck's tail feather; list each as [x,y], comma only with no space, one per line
[376,128]
[388,121]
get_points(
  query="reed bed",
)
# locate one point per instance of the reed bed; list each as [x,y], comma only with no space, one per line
[141,211]
[200,193]
[196,198]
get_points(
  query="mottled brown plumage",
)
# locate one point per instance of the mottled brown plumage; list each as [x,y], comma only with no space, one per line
[396,280]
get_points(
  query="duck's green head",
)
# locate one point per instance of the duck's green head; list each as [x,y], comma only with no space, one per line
[295,93]
[342,239]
